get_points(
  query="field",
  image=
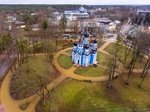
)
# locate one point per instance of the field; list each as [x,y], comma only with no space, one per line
[76,96]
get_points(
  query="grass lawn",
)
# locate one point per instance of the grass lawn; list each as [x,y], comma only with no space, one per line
[137,98]
[110,49]
[91,71]
[100,43]
[25,80]
[65,61]
[77,96]
[103,59]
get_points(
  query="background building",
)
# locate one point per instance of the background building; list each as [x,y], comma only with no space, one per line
[80,13]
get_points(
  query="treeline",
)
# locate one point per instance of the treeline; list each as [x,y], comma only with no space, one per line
[16,7]
[67,6]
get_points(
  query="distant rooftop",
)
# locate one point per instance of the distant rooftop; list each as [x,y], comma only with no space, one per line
[102,20]
[142,11]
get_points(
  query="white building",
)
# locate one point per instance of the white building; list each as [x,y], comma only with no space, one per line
[11,18]
[20,24]
[34,14]
[35,27]
[112,26]
[81,13]
[103,23]
[89,25]
[57,15]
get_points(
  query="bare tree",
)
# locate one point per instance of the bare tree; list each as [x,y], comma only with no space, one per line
[63,23]
[135,55]
[145,71]
[113,64]
[128,49]
[23,49]
[146,53]
[140,45]
[42,89]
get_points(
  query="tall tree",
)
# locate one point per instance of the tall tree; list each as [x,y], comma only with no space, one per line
[140,44]
[145,71]
[113,64]
[63,23]
[145,40]
[128,49]
[22,46]
[135,55]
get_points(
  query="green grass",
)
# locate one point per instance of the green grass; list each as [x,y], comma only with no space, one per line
[76,96]
[111,49]
[100,43]
[136,97]
[25,80]
[91,71]
[65,61]
[103,59]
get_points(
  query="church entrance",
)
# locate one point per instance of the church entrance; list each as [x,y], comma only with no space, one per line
[78,61]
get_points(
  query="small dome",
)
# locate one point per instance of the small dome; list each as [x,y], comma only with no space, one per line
[75,44]
[86,46]
[95,41]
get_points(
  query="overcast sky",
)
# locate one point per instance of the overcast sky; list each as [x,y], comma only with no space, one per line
[88,2]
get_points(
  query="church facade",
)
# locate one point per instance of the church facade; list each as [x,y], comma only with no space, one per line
[84,53]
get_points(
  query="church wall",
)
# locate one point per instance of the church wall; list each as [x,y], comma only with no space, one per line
[80,60]
[85,53]
[91,58]
[95,58]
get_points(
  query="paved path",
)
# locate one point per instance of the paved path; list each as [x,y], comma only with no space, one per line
[101,49]
[12,105]
[67,54]
[70,72]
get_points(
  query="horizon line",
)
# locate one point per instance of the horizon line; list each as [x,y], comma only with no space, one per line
[76,4]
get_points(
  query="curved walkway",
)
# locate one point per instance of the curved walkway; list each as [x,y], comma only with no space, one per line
[70,72]
[12,105]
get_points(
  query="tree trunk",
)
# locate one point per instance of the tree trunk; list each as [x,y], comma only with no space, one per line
[131,67]
[145,67]
[144,76]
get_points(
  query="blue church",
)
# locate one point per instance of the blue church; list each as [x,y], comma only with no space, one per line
[84,53]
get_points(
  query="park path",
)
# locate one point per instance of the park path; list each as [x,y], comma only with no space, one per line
[12,105]
[70,72]
[67,54]
[101,49]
